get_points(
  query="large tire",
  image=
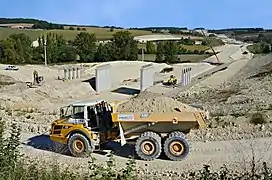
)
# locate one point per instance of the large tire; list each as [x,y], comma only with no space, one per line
[176,146]
[148,146]
[79,145]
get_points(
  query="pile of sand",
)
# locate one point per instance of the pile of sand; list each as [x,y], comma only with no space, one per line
[152,102]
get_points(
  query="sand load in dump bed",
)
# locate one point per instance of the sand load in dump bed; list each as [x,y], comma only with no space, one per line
[152,102]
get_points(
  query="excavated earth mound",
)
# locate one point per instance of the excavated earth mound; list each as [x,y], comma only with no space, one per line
[6,80]
[153,102]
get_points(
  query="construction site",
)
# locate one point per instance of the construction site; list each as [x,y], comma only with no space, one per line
[216,112]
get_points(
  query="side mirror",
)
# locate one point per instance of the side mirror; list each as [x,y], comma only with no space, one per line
[61,113]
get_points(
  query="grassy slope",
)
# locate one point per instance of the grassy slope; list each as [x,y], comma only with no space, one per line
[255,48]
[101,33]
[196,47]
[193,58]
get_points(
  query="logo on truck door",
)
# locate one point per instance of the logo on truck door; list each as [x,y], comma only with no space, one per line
[125,117]
[144,115]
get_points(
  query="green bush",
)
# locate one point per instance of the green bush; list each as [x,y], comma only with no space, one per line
[167,69]
[227,174]
[257,118]
[13,165]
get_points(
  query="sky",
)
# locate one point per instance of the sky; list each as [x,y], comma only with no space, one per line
[210,14]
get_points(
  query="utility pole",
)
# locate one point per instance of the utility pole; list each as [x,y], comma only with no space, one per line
[45,58]
[142,54]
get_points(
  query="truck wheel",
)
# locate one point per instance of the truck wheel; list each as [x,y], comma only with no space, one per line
[79,145]
[176,146]
[148,146]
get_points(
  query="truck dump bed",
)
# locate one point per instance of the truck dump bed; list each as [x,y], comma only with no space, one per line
[159,122]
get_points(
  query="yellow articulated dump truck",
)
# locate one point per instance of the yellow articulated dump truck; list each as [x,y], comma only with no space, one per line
[84,126]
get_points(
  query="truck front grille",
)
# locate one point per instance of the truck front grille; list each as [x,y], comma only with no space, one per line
[56,129]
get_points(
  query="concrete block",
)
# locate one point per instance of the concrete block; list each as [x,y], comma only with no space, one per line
[78,72]
[74,73]
[186,76]
[69,73]
[103,78]
[65,73]
[146,77]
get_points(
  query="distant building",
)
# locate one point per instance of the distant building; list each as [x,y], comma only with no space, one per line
[186,31]
[198,42]
[155,37]
[35,44]
[103,42]
[162,37]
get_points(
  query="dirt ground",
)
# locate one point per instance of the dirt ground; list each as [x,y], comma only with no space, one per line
[232,96]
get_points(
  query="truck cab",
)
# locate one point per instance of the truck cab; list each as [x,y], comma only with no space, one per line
[81,125]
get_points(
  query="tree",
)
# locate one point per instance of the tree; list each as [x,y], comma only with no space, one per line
[182,51]
[101,54]
[111,49]
[160,52]
[17,49]
[171,51]
[57,49]
[66,53]
[150,48]
[71,28]
[134,50]
[85,46]
[265,48]
[126,46]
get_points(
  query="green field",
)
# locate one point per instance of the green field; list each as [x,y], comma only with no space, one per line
[101,33]
[195,47]
[193,58]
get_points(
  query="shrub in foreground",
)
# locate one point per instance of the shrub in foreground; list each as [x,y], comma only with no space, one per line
[14,166]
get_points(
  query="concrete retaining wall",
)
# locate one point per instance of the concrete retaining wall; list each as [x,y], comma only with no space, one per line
[146,77]
[103,78]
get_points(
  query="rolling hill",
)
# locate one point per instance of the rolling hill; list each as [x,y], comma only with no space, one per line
[101,33]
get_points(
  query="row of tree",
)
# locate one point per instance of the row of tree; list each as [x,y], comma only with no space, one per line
[37,24]
[17,49]
[262,42]
[237,30]
[47,25]
[152,49]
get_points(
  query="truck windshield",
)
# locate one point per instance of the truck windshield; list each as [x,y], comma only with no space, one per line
[78,112]
[66,112]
